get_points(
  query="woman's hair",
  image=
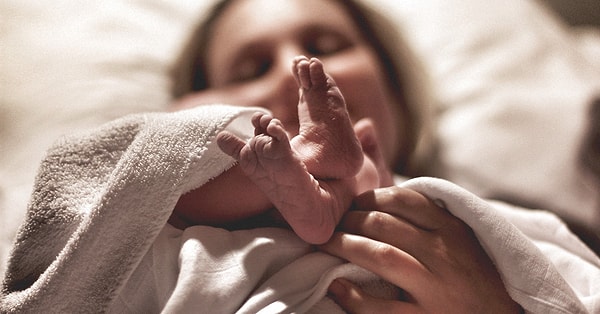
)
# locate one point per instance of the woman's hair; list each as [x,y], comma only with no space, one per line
[189,72]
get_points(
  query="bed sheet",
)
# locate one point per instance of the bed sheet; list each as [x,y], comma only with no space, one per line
[511,82]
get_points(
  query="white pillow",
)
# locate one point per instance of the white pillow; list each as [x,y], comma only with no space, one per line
[512,85]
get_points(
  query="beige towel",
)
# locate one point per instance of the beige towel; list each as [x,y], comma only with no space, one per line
[100,199]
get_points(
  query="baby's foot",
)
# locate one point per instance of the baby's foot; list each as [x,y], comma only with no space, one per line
[287,171]
[268,159]
[326,142]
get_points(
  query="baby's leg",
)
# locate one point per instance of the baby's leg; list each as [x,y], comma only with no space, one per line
[326,141]
[311,209]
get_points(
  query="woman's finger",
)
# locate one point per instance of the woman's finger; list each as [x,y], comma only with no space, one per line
[385,260]
[384,227]
[408,204]
[353,300]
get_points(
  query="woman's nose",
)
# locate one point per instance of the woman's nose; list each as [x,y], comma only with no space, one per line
[283,89]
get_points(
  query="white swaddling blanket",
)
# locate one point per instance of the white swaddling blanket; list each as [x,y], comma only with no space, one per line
[95,237]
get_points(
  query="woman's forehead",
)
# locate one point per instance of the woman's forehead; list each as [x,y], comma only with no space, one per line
[250,18]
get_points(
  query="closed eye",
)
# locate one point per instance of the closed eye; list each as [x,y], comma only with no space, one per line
[250,67]
[320,42]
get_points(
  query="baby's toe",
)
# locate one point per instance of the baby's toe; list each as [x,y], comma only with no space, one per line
[276,130]
[318,77]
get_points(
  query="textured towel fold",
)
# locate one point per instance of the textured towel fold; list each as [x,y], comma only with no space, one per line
[100,200]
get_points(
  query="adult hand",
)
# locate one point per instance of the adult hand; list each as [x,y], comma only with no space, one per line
[421,248]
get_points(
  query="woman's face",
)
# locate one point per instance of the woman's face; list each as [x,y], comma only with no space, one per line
[250,56]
